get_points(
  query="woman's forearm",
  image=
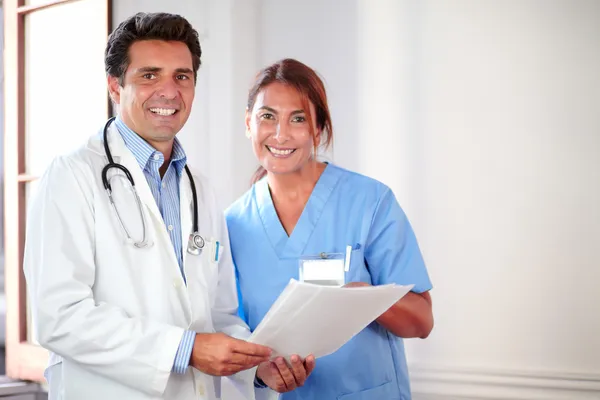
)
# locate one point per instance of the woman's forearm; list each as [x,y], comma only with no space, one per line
[410,317]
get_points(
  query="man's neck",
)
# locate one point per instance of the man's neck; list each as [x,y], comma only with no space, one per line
[164,146]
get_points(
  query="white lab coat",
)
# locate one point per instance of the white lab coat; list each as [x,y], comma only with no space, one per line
[113,315]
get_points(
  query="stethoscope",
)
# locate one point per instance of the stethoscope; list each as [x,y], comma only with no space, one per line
[195,243]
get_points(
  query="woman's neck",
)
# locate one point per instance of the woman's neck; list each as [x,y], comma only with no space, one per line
[296,185]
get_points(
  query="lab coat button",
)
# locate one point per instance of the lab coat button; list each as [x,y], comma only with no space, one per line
[201,390]
[176,283]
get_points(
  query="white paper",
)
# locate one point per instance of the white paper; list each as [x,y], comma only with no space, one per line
[313,319]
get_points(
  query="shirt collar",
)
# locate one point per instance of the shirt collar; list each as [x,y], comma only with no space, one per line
[143,151]
[178,157]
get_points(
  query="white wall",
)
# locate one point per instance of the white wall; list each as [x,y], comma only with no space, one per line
[2,297]
[508,114]
[484,118]
[508,193]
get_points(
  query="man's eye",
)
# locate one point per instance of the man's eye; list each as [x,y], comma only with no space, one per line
[149,76]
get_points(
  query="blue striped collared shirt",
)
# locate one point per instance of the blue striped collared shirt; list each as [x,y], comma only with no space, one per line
[165,191]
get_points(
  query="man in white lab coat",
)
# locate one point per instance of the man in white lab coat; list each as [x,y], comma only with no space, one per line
[129,303]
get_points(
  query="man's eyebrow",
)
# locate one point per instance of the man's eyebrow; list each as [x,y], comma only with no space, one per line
[184,71]
[181,70]
[149,69]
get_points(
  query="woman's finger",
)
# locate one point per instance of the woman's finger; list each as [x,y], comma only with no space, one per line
[309,364]
[298,370]
[286,373]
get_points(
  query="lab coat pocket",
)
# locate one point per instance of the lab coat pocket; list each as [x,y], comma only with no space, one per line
[211,256]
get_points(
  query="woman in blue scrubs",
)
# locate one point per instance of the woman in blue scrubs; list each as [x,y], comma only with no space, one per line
[301,207]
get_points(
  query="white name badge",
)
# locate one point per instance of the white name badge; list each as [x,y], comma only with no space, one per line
[328,269]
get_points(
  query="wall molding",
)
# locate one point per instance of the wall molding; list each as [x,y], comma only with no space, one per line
[469,383]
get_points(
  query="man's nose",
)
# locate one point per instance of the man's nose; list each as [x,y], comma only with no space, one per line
[168,89]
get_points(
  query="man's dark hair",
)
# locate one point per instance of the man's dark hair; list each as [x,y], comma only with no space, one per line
[148,26]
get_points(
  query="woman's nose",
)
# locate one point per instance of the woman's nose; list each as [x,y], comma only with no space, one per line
[281,133]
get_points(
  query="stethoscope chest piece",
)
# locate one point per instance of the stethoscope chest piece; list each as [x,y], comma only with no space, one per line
[195,244]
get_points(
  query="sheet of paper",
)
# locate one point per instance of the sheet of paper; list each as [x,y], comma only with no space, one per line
[313,319]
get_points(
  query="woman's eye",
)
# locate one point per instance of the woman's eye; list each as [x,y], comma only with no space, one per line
[266,116]
[299,118]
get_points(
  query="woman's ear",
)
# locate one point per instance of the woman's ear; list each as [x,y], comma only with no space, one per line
[248,118]
[318,137]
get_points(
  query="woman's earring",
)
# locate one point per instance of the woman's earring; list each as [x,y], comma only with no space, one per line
[248,133]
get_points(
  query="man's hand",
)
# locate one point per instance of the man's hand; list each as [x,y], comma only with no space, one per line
[279,376]
[221,355]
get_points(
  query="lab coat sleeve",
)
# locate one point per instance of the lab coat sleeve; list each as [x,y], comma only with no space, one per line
[59,267]
[392,252]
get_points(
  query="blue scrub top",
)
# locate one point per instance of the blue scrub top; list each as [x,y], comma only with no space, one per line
[345,208]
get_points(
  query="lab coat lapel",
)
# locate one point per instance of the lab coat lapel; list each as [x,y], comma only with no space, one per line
[123,156]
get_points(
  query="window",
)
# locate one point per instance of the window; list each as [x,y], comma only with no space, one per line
[2,297]
[55,96]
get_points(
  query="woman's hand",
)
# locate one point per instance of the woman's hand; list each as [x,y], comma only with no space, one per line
[281,377]
[356,284]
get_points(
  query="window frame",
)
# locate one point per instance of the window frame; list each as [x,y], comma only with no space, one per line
[24,360]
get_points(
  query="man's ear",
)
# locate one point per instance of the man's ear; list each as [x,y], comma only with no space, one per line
[114,89]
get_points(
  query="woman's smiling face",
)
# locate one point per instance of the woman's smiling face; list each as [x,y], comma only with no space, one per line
[282,134]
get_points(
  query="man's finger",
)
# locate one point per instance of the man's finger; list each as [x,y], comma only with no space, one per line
[252,349]
[298,370]
[246,361]
[286,373]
